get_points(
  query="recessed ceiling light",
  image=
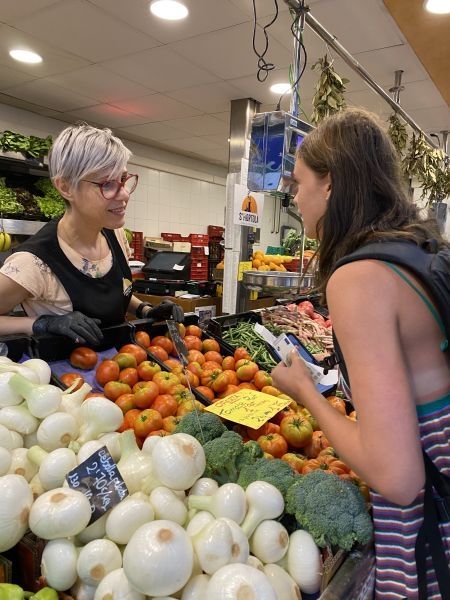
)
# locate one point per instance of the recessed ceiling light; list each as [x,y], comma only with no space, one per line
[171,10]
[25,56]
[280,88]
[439,7]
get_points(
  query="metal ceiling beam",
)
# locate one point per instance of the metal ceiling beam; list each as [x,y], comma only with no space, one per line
[332,41]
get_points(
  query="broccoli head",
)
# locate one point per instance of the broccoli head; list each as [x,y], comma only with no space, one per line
[221,455]
[275,471]
[204,426]
[331,510]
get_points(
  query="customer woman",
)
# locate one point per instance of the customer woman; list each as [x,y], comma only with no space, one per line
[73,276]
[349,191]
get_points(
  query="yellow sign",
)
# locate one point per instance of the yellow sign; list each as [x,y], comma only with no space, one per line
[244,266]
[248,407]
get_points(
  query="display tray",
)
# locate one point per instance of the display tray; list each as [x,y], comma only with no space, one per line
[18,347]
[313,298]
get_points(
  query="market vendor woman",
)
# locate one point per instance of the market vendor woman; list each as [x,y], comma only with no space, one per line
[72,277]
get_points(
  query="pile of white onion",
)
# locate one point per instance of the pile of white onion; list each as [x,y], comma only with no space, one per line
[177,535]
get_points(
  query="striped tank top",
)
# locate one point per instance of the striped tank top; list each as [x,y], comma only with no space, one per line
[396,527]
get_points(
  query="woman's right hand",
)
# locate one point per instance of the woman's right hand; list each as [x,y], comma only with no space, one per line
[75,325]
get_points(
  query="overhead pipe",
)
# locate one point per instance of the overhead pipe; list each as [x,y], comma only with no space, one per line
[332,41]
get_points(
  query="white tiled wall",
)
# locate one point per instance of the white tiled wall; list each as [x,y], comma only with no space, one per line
[165,202]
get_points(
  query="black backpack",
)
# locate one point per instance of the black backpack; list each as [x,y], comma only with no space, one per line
[431,266]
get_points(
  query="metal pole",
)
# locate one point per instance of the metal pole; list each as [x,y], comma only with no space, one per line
[357,67]
[397,87]
[296,66]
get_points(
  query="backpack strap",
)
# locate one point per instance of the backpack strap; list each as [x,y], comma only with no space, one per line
[429,531]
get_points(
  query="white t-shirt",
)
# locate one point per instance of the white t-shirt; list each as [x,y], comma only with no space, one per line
[48,296]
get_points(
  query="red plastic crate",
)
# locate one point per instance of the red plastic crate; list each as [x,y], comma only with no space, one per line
[198,252]
[214,231]
[199,274]
[199,239]
[171,237]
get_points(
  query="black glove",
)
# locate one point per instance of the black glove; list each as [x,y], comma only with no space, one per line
[75,325]
[165,310]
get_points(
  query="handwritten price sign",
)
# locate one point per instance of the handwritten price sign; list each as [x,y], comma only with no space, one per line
[100,481]
[248,407]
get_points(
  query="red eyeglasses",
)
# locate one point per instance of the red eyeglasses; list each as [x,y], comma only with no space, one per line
[110,189]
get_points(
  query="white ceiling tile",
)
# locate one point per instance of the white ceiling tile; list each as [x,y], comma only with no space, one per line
[84,30]
[48,95]
[160,69]
[263,7]
[366,99]
[359,26]
[432,119]
[204,16]
[54,60]
[99,83]
[107,115]
[10,77]
[420,94]
[201,125]
[223,116]
[12,9]
[193,144]
[250,87]
[221,139]
[212,97]
[228,53]
[219,156]
[158,132]
[157,107]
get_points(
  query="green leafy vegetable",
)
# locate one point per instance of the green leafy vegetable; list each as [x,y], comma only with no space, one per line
[51,204]
[8,200]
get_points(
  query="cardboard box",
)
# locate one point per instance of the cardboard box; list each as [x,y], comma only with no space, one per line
[158,244]
[187,304]
[181,246]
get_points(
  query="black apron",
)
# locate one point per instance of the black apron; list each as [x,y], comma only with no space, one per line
[105,298]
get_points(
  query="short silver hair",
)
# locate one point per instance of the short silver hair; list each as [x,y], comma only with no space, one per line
[81,150]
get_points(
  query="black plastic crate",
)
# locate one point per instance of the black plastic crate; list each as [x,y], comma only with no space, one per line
[218,325]
[18,346]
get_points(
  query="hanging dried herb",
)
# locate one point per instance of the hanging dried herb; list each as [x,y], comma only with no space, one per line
[398,133]
[329,92]
[427,164]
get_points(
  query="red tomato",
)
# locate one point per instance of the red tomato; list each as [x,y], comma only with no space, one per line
[318,443]
[158,352]
[246,385]
[247,371]
[210,345]
[254,434]
[188,378]
[169,423]
[228,363]
[337,403]
[172,363]
[262,378]
[214,356]
[232,377]
[230,389]
[125,360]
[196,356]
[69,378]
[159,433]
[272,391]
[147,369]
[326,463]
[125,402]
[206,391]
[129,376]
[142,338]
[307,308]
[210,365]
[166,405]
[297,461]
[114,389]
[189,406]
[129,419]
[273,444]
[194,330]
[139,385]
[285,412]
[194,367]
[165,381]
[163,342]
[220,383]
[107,370]
[296,430]
[83,358]
[240,353]
[149,420]
[192,342]
[144,397]
[138,352]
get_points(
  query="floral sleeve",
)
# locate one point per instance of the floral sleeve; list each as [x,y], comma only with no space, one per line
[30,272]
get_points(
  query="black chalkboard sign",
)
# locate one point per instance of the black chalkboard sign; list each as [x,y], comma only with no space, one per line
[100,481]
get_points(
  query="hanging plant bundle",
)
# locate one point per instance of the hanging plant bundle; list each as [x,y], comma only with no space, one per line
[398,133]
[428,165]
[329,92]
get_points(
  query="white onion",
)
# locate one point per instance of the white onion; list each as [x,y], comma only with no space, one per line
[59,564]
[57,431]
[5,461]
[59,513]
[237,581]
[16,500]
[96,560]
[304,562]
[270,541]
[127,516]
[115,586]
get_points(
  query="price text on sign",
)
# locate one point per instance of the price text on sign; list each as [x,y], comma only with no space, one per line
[98,478]
[248,407]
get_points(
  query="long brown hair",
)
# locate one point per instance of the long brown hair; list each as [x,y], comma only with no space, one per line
[368,199]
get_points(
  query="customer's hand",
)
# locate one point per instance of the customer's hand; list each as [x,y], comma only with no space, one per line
[294,380]
[75,325]
[166,310]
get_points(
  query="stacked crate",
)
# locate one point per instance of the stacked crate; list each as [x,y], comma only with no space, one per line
[199,256]
[137,245]
[216,248]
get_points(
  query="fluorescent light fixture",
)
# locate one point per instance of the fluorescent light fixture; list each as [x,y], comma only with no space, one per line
[171,10]
[438,7]
[25,56]
[280,88]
